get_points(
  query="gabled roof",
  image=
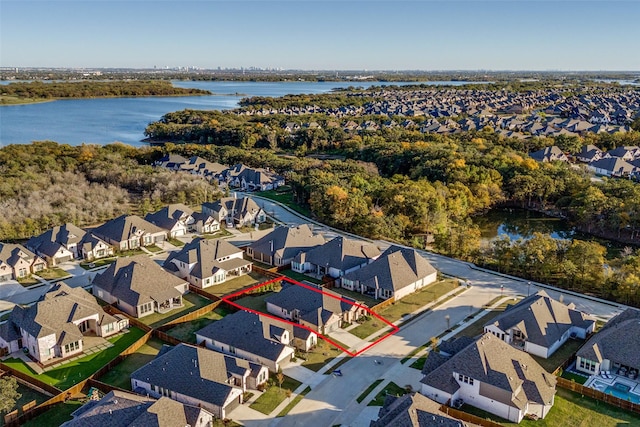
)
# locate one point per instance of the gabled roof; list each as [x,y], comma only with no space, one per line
[548,154]
[492,361]
[341,253]
[11,253]
[169,216]
[249,332]
[238,207]
[126,227]
[138,280]
[615,165]
[413,410]
[120,409]
[205,254]
[287,242]
[541,319]
[50,241]
[194,371]
[616,341]
[396,268]
[55,312]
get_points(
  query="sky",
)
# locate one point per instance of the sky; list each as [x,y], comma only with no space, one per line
[322,35]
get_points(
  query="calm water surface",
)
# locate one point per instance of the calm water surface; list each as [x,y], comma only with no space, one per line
[102,121]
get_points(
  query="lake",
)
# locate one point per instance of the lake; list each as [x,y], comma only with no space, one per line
[106,120]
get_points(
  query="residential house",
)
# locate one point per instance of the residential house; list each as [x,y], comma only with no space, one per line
[139,287]
[397,273]
[589,153]
[490,375]
[259,339]
[194,165]
[235,211]
[625,152]
[335,258]
[204,262]
[17,262]
[612,167]
[54,326]
[130,232]
[204,224]
[66,242]
[540,325]
[252,179]
[92,247]
[175,219]
[414,410]
[549,154]
[200,377]
[319,309]
[121,409]
[283,244]
[614,348]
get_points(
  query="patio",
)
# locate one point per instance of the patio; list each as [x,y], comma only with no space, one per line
[617,385]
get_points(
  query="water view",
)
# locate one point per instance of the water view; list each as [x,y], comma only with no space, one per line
[105,120]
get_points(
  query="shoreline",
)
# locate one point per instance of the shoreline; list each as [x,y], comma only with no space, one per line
[38,101]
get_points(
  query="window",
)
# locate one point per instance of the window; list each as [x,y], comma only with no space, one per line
[465,379]
[588,365]
[74,346]
[110,327]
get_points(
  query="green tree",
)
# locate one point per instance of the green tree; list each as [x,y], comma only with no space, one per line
[8,393]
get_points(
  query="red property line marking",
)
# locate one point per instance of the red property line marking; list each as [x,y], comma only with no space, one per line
[394,330]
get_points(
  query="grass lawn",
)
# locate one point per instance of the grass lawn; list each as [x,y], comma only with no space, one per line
[55,416]
[561,355]
[89,265]
[77,370]
[477,327]
[28,281]
[405,306]
[237,284]
[299,277]
[368,390]
[28,395]
[294,402]
[187,331]
[256,302]
[365,299]
[574,377]
[274,395]
[413,353]
[153,248]
[218,234]
[130,252]
[119,376]
[570,409]
[53,273]
[175,242]
[319,356]
[190,302]
[390,389]
[16,100]
[286,198]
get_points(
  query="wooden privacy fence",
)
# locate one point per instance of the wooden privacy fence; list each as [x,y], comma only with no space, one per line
[273,273]
[455,413]
[386,303]
[598,395]
[132,320]
[166,337]
[190,316]
[31,380]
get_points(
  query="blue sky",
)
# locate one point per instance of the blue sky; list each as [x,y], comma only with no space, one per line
[374,35]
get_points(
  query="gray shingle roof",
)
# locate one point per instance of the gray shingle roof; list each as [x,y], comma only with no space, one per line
[616,341]
[287,242]
[10,253]
[396,268]
[492,361]
[169,216]
[341,253]
[194,371]
[207,255]
[249,332]
[413,410]
[124,228]
[541,319]
[239,207]
[137,280]
[49,242]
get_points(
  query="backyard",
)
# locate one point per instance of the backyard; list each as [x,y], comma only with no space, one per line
[28,395]
[77,370]
[55,416]
[299,277]
[257,301]
[119,375]
[404,307]
[190,301]
[186,331]
[237,284]
[274,395]
[571,409]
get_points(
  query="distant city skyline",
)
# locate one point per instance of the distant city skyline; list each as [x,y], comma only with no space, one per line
[322,35]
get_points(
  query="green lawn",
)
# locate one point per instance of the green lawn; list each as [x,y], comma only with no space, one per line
[365,299]
[299,277]
[186,331]
[237,284]
[571,409]
[55,416]
[368,390]
[218,234]
[89,265]
[574,377]
[405,306]
[392,389]
[256,302]
[477,327]
[119,376]
[175,242]
[77,370]
[419,363]
[28,281]
[316,358]
[190,301]
[274,395]
[130,252]
[153,248]
[286,198]
[294,402]
[53,273]
[561,355]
